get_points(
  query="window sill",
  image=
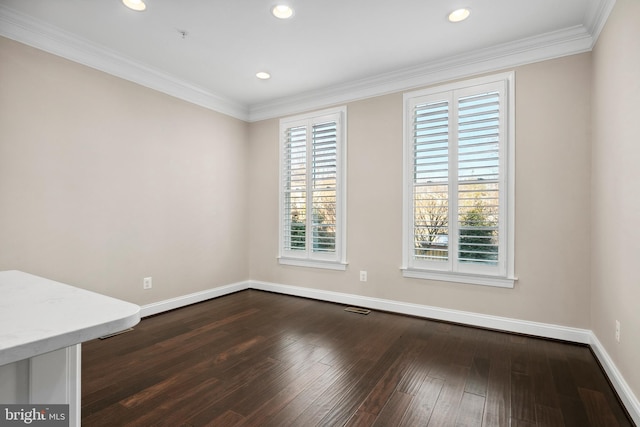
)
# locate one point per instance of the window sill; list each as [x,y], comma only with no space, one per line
[327,265]
[501,282]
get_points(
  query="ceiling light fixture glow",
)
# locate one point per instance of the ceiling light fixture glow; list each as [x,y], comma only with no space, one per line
[459,15]
[282,11]
[263,75]
[137,5]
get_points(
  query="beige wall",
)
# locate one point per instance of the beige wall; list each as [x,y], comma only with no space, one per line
[552,204]
[616,197]
[104,182]
[107,182]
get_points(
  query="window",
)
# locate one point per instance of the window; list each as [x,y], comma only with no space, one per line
[459,182]
[312,190]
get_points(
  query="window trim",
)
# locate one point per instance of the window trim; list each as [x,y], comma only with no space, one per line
[307,258]
[506,280]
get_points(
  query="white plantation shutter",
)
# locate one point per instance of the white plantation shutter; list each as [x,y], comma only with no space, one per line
[431,181]
[324,177]
[479,178]
[312,190]
[456,203]
[295,188]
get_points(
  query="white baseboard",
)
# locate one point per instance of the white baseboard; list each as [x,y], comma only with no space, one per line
[629,399]
[545,330]
[182,301]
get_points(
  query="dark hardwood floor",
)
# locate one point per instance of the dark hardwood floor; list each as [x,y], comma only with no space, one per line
[260,359]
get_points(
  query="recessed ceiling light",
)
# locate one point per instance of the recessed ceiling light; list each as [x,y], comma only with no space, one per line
[459,15]
[263,75]
[282,11]
[137,5]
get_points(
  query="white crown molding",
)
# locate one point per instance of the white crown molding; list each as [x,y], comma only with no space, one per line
[597,16]
[569,41]
[38,34]
[547,46]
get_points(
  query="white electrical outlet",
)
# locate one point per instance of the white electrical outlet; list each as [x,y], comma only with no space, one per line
[147,283]
[363,276]
[617,331]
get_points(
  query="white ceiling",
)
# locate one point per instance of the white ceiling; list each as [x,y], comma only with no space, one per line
[331,51]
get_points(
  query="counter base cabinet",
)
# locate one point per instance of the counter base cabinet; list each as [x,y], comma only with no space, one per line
[42,324]
[14,382]
[50,378]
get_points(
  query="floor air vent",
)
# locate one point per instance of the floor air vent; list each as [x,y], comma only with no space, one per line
[357,310]
[116,333]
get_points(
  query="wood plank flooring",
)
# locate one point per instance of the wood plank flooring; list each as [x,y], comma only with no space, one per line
[260,359]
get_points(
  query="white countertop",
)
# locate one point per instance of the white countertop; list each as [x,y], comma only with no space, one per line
[39,315]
